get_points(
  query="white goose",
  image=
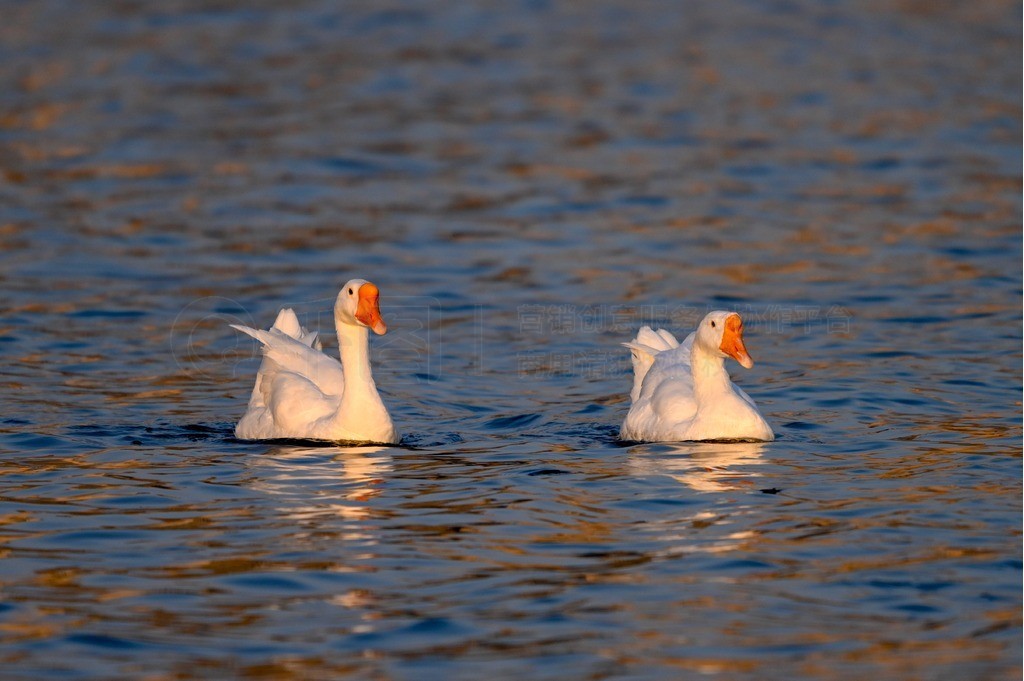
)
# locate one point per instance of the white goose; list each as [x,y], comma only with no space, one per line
[301,393]
[683,392]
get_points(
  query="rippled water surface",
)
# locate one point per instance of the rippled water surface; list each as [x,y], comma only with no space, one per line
[527,182]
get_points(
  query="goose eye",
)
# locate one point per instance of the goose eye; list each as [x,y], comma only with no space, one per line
[712,322]
[350,291]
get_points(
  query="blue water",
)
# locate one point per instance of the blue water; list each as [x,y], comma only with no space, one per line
[527,183]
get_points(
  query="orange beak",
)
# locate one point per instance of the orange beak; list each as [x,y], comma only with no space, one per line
[732,341]
[368,309]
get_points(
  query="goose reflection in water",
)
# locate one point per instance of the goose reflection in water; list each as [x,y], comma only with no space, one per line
[703,466]
[331,480]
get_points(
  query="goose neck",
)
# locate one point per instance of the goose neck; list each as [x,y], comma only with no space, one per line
[709,374]
[354,348]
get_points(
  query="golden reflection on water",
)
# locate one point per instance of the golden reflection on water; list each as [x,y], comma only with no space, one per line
[183,164]
[316,478]
[704,466]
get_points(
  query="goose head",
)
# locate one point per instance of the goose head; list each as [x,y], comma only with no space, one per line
[357,305]
[721,335]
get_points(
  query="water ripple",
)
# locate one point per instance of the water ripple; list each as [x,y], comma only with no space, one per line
[528,183]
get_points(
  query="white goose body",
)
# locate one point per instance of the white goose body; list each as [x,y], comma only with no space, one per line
[681,391]
[302,393]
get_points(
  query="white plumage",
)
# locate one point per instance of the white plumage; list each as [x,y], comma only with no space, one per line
[681,391]
[302,393]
